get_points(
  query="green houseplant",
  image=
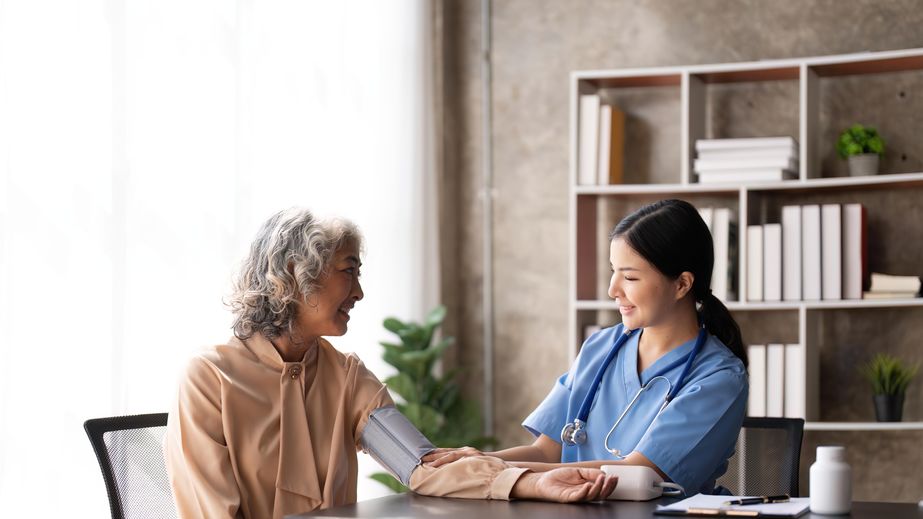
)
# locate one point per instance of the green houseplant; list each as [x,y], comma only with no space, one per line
[889,378]
[432,403]
[862,146]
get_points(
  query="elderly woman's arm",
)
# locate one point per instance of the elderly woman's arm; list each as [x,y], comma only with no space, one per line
[480,477]
[197,456]
[486,477]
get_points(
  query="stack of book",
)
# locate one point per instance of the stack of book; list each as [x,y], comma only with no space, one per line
[778,376]
[817,252]
[601,142]
[884,286]
[769,159]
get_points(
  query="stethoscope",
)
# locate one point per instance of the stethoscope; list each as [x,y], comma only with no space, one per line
[574,433]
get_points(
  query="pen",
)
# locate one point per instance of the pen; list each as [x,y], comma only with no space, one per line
[758,500]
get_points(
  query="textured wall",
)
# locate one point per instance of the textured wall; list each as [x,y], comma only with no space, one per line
[536,44]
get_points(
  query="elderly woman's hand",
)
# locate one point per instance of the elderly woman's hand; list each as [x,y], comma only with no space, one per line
[441,456]
[565,485]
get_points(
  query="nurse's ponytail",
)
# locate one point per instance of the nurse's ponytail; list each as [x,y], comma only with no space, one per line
[720,323]
[671,236]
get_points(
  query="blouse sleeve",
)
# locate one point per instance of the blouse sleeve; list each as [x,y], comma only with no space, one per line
[476,477]
[197,457]
[369,394]
[696,431]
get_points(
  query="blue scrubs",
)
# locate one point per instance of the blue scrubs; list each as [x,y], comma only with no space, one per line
[695,434]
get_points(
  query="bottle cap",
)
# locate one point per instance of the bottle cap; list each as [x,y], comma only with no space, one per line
[831,453]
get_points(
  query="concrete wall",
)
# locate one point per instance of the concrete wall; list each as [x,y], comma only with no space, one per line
[536,44]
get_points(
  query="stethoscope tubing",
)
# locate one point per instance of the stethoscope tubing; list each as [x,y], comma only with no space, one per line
[579,423]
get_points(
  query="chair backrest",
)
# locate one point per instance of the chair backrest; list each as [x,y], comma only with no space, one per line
[766,459]
[131,459]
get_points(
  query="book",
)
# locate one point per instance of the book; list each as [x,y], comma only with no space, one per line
[831,222]
[759,142]
[728,153]
[888,283]
[724,238]
[588,140]
[775,380]
[810,253]
[791,253]
[795,396]
[611,145]
[745,164]
[708,215]
[756,403]
[855,263]
[754,263]
[762,175]
[772,262]
[890,295]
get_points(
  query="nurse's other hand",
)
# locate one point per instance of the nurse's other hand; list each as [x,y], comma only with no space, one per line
[440,457]
[565,485]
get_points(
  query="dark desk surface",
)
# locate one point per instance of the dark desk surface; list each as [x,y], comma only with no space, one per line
[414,506]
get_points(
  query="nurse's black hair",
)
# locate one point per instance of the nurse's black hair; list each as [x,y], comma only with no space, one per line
[671,236]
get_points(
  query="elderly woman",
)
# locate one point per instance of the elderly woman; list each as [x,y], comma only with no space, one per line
[269,423]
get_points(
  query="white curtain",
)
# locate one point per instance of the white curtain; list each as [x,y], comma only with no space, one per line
[141,144]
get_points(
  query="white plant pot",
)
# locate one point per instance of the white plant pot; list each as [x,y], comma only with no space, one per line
[863,165]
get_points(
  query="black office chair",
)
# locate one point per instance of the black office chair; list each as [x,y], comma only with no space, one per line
[766,459]
[131,459]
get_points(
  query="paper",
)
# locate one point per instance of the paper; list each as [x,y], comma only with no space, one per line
[793,508]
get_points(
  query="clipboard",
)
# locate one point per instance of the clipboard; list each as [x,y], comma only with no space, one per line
[702,505]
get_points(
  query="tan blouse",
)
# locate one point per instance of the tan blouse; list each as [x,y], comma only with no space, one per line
[253,436]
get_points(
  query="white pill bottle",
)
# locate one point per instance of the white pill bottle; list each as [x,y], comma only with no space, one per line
[831,482]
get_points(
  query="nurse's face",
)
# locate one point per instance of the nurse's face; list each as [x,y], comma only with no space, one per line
[645,296]
[326,312]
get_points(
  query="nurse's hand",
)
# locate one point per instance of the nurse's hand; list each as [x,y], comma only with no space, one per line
[565,485]
[440,457]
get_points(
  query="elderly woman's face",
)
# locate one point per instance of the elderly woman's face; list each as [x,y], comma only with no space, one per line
[326,312]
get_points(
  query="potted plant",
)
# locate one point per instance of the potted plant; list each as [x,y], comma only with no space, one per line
[432,403]
[889,378]
[862,146]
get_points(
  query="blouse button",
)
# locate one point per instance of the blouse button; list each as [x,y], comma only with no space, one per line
[295,371]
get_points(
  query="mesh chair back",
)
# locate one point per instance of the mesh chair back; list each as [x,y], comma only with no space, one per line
[766,459]
[130,456]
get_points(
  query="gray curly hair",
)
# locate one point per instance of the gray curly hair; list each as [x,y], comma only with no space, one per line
[287,262]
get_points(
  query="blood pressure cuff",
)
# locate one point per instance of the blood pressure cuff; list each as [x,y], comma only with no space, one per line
[394,442]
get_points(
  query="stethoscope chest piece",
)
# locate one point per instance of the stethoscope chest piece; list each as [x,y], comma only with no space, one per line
[574,433]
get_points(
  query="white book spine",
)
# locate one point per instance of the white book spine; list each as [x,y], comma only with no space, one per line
[742,164]
[772,262]
[734,153]
[588,138]
[775,380]
[795,396]
[721,235]
[756,404]
[853,250]
[791,253]
[888,283]
[810,249]
[761,175]
[755,263]
[831,251]
[708,215]
[605,138]
[759,142]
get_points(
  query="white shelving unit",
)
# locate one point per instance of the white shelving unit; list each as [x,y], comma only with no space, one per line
[753,203]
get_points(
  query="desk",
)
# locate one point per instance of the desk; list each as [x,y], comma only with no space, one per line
[414,506]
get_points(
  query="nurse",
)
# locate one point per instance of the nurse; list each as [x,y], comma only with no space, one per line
[666,388]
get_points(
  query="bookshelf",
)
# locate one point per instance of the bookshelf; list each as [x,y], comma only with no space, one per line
[711,101]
